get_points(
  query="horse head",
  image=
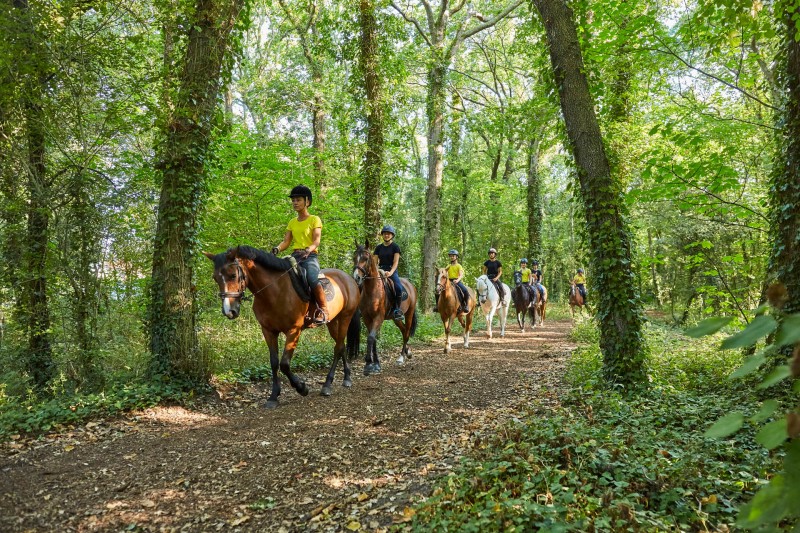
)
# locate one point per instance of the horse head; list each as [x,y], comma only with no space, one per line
[361,263]
[442,280]
[517,278]
[483,288]
[230,273]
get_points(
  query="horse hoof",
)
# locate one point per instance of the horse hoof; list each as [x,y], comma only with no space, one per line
[271,404]
[326,391]
[368,370]
[401,360]
[376,368]
[303,389]
[347,383]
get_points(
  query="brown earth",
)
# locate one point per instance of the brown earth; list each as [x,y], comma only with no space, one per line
[355,461]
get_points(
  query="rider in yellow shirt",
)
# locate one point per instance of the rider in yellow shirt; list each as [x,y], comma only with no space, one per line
[456,273]
[303,235]
[580,281]
[527,276]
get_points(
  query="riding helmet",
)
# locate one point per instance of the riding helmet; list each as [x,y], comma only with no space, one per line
[301,191]
[492,251]
[524,260]
[534,262]
[389,229]
[580,270]
[453,252]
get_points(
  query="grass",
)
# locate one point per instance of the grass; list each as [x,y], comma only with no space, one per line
[607,462]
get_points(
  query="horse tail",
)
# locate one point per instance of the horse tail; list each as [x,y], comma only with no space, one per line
[413,324]
[354,336]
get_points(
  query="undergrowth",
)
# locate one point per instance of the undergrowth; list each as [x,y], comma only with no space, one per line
[602,461]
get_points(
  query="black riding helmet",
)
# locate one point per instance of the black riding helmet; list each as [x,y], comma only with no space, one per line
[301,191]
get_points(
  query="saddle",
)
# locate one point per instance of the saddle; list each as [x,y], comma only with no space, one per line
[390,290]
[298,276]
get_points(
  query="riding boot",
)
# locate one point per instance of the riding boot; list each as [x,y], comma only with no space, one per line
[397,314]
[321,314]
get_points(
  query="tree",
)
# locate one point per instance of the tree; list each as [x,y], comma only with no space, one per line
[444,37]
[619,310]
[373,160]
[187,139]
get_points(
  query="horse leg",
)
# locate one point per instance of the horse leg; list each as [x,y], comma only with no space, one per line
[272,343]
[372,341]
[467,327]
[503,318]
[489,319]
[341,348]
[288,351]
[447,323]
[339,334]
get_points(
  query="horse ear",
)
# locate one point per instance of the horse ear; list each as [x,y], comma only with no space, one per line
[366,244]
[230,255]
[209,255]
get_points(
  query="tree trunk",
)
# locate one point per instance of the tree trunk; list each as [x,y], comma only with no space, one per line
[534,198]
[373,162]
[619,309]
[432,218]
[173,341]
[785,261]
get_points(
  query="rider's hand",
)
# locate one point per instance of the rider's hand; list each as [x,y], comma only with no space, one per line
[300,255]
[275,250]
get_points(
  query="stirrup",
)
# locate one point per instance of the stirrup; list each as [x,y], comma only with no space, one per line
[318,318]
[397,314]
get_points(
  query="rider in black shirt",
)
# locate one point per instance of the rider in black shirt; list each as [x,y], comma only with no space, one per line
[388,254]
[493,270]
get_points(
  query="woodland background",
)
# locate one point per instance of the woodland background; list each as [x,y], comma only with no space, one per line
[135,135]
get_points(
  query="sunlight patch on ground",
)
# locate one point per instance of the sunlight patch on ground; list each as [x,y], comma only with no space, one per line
[340,482]
[134,511]
[179,416]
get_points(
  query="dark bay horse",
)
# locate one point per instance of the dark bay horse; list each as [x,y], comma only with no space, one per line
[449,307]
[575,300]
[524,300]
[375,306]
[279,309]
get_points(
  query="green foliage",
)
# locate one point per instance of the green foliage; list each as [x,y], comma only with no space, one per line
[776,502]
[603,461]
[35,417]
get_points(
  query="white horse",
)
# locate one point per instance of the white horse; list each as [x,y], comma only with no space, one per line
[489,300]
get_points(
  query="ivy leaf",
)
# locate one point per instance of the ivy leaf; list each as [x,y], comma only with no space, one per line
[727,425]
[789,332]
[779,374]
[750,365]
[708,326]
[761,326]
[773,434]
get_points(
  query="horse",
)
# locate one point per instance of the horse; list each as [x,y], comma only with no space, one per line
[489,300]
[540,307]
[449,307]
[279,309]
[575,300]
[375,306]
[524,300]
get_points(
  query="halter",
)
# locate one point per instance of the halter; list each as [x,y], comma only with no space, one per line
[482,297]
[441,287]
[364,272]
[242,279]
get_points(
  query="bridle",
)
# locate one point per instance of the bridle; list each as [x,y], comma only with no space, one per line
[242,279]
[360,257]
[441,287]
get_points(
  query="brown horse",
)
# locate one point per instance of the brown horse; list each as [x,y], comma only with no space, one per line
[524,300]
[575,300]
[449,307]
[540,307]
[376,306]
[279,309]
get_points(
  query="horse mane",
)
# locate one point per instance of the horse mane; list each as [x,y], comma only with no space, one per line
[261,258]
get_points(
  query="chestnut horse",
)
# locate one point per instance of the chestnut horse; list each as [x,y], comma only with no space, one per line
[449,307]
[524,300]
[376,307]
[575,300]
[279,309]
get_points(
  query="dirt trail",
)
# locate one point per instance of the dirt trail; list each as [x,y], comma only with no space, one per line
[353,461]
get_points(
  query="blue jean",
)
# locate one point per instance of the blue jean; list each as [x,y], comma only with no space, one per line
[462,291]
[311,264]
[398,286]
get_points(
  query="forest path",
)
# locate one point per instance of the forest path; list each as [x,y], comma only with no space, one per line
[353,461]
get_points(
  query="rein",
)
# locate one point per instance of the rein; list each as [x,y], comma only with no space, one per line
[243,284]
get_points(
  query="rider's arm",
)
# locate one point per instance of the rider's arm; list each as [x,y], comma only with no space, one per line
[287,240]
[316,235]
[395,262]
[499,273]
[460,274]
[484,269]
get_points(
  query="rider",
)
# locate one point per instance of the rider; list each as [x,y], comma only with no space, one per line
[456,273]
[537,277]
[303,235]
[527,275]
[388,254]
[493,270]
[580,281]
